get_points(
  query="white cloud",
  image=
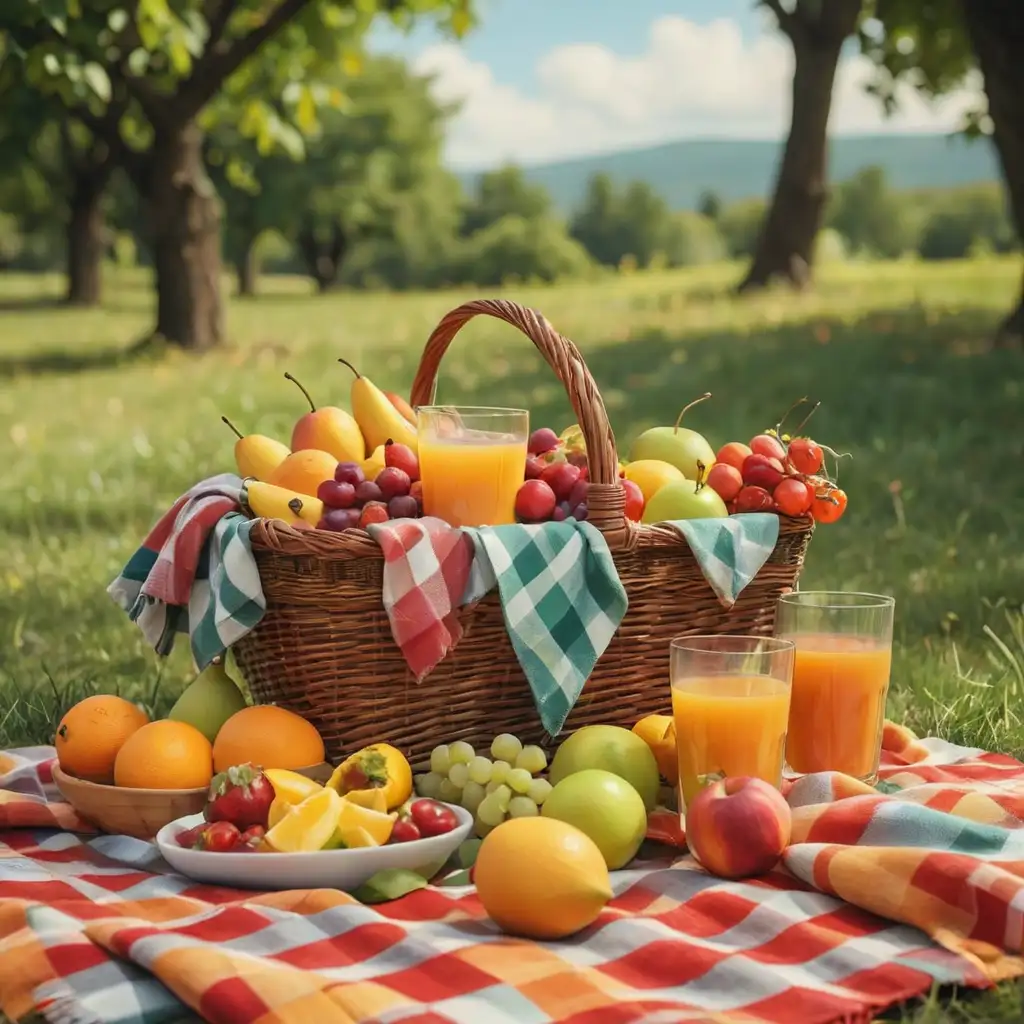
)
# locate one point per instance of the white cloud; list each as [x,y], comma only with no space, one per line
[693,80]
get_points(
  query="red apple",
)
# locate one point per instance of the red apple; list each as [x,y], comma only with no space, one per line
[738,827]
[634,500]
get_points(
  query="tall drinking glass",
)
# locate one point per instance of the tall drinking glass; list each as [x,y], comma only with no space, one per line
[472,462]
[840,680]
[730,703]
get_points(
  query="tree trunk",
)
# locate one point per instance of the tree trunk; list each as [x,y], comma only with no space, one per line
[785,246]
[85,230]
[247,267]
[184,216]
[997,35]
[323,258]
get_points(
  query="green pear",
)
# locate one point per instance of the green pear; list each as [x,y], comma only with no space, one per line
[676,445]
[209,701]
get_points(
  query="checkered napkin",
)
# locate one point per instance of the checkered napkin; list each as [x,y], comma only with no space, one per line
[730,551]
[99,930]
[426,565]
[195,573]
[562,601]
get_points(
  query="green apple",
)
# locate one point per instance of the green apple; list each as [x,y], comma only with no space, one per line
[614,749]
[676,445]
[684,500]
[604,807]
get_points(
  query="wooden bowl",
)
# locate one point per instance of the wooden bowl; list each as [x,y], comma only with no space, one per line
[130,812]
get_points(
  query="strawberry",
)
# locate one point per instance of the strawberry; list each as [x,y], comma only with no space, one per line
[251,838]
[190,838]
[241,795]
[219,837]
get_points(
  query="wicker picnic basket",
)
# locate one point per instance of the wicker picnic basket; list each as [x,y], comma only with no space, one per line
[324,648]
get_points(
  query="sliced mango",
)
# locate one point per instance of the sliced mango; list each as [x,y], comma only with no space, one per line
[307,826]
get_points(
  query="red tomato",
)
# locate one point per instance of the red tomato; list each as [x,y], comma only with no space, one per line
[432,818]
[829,506]
[404,831]
[793,497]
[805,456]
[634,500]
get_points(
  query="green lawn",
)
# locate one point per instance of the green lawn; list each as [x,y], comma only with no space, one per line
[96,446]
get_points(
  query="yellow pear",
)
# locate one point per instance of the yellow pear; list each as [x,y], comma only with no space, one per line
[256,454]
[271,502]
[375,463]
[377,417]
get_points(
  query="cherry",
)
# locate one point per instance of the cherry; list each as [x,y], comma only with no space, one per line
[725,480]
[792,497]
[535,501]
[762,471]
[732,454]
[754,499]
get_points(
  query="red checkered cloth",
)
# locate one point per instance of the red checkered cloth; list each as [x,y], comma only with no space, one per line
[98,929]
[426,566]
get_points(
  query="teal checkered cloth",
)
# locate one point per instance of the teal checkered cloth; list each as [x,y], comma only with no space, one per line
[562,602]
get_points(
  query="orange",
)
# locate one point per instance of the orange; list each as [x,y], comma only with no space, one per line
[268,736]
[165,755]
[92,732]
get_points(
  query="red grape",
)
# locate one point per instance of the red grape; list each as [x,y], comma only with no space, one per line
[535,501]
[725,480]
[336,495]
[754,499]
[373,512]
[534,467]
[768,444]
[733,454]
[792,497]
[805,456]
[634,500]
[393,483]
[579,513]
[578,493]
[349,473]
[338,519]
[560,477]
[559,515]
[403,506]
[401,456]
[368,491]
[762,471]
[542,440]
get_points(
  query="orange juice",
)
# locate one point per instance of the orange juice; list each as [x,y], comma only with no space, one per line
[471,482]
[729,725]
[838,706]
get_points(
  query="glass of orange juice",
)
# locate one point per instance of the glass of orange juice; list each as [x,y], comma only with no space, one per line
[730,703]
[840,680]
[472,462]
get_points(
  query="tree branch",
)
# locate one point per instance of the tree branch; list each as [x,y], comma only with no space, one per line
[217,64]
[786,20]
[218,14]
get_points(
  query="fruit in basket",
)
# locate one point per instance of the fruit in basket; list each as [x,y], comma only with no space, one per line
[304,470]
[402,457]
[351,473]
[534,467]
[659,733]
[209,700]
[164,755]
[829,504]
[561,477]
[336,495]
[393,483]
[542,440]
[677,445]
[268,501]
[373,512]
[309,826]
[291,787]
[725,480]
[754,499]
[373,463]
[651,475]
[402,406]
[634,500]
[91,733]
[337,520]
[379,766]
[793,497]
[269,736]
[564,889]
[685,500]
[256,454]
[535,501]
[768,444]
[378,419]
[805,455]
[327,429]
[404,506]
[738,827]
[733,454]
[762,471]
[614,749]
[241,795]
[604,807]
[368,491]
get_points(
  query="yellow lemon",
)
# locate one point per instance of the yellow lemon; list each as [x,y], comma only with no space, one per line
[356,837]
[278,809]
[374,799]
[355,823]
[307,826]
[291,787]
[650,475]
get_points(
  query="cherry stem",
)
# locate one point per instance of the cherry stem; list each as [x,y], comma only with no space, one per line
[789,412]
[345,362]
[800,426]
[312,407]
[686,408]
[233,427]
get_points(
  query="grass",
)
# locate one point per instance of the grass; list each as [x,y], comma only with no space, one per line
[97,444]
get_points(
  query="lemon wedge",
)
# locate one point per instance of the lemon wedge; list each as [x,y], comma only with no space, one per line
[291,787]
[361,826]
[278,809]
[357,837]
[374,799]
[308,826]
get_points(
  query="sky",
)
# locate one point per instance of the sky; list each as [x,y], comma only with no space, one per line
[543,80]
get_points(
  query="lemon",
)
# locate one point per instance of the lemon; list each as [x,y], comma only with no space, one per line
[650,475]
[308,826]
[356,823]
[356,837]
[278,809]
[291,787]
[374,799]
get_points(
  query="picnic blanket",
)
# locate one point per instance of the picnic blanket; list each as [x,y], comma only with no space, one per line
[98,929]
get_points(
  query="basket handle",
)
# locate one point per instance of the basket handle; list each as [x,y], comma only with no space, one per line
[605,498]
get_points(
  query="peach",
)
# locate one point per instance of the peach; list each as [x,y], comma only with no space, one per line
[738,827]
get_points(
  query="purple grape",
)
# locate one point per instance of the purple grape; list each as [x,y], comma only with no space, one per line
[403,506]
[578,494]
[368,491]
[336,495]
[579,513]
[349,473]
[337,519]
[558,516]
[393,482]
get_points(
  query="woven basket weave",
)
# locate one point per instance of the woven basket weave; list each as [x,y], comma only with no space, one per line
[324,648]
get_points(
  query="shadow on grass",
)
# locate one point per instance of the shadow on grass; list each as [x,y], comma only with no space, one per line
[55,361]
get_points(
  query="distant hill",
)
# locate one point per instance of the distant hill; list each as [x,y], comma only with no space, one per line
[681,171]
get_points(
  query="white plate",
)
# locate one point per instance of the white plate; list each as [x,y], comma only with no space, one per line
[324,869]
